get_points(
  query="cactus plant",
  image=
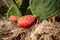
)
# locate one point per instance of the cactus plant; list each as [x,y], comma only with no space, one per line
[14,9]
[44,9]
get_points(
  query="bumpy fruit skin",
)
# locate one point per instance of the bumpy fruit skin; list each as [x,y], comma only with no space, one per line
[26,21]
[13,18]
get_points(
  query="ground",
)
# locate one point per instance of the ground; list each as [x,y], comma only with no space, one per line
[43,30]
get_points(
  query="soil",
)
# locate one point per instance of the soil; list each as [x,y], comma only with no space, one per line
[44,30]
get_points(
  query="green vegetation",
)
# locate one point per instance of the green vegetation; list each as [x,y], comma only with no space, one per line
[42,9]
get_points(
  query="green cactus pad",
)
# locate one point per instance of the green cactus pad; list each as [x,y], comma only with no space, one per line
[44,9]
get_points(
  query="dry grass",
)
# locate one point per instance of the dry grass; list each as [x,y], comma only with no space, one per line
[39,31]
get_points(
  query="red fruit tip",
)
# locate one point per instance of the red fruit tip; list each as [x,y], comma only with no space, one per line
[13,18]
[26,21]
